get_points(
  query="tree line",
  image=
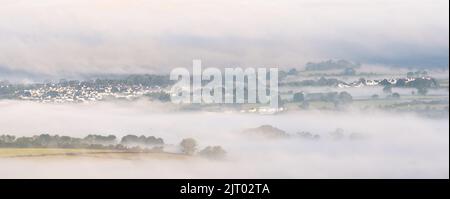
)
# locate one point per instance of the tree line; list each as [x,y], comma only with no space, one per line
[88,142]
[132,143]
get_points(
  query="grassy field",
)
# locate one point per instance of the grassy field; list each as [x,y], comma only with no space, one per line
[93,153]
[404,103]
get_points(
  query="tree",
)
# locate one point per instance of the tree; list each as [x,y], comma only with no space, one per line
[213,152]
[299,97]
[308,135]
[395,95]
[422,90]
[281,74]
[99,139]
[44,140]
[7,138]
[188,146]
[131,140]
[349,71]
[330,96]
[160,96]
[292,71]
[345,97]
[400,83]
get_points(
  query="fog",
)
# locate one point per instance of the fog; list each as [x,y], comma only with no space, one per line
[63,37]
[392,145]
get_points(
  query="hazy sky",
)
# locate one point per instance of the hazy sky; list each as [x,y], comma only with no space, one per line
[114,36]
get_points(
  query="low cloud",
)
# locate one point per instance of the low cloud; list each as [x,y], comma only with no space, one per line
[66,37]
[393,145]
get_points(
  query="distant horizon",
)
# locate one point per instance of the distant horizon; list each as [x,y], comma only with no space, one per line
[19,75]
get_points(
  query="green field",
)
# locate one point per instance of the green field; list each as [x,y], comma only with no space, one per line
[404,103]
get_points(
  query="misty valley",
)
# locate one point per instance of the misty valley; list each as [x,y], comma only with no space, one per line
[224,99]
[335,119]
